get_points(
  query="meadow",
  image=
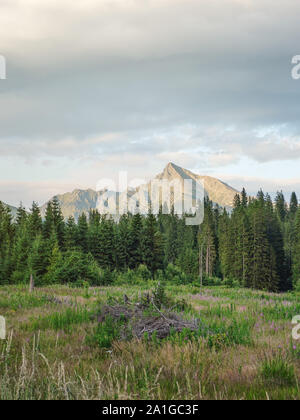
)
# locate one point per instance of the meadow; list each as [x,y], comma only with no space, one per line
[56,348]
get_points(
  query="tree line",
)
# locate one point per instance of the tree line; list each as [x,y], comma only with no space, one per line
[256,245]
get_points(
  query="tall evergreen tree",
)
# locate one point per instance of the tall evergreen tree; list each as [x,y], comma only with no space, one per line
[208,240]
[172,238]
[48,226]
[296,250]
[293,207]
[135,241]
[58,222]
[152,245]
[35,224]
[122,243]
[82,233]
[70,239]
[281,207]
[21,216]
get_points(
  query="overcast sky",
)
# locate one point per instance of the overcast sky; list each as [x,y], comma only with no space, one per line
[98,86]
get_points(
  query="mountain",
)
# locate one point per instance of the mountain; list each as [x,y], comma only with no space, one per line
[12,209]
[78,201]
[217,191]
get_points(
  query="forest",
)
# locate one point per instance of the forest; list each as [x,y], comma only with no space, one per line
[257,246]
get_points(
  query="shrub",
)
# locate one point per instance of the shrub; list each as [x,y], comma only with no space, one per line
[129,277]
[211,281]
[106,332]
[143,272]
[175,275]
[236,333]
[74,266]
[107,277]
[19,277]
[217,341]
[278,371]
[159,295]
[236,284]
[230,282]
[297,286]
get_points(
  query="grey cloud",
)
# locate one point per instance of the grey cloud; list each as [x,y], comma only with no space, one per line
[12,193]
[189,80]
[271,186]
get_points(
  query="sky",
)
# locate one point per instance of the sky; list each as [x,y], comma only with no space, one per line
[95,87]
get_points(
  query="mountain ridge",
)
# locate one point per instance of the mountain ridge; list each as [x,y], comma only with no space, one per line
[80,200]
[11,208]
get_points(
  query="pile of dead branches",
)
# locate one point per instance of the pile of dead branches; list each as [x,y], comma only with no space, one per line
[136,318]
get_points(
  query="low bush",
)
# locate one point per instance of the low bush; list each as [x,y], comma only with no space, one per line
[106,332]
[278,371]
[72,267]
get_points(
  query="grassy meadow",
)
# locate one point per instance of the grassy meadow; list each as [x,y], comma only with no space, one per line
[56,349]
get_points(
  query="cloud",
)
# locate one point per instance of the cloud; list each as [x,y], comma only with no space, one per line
[87,67]
[27,192]
[254,184]
[135,83]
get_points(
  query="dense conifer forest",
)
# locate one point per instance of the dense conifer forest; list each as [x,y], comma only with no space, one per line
[257,246]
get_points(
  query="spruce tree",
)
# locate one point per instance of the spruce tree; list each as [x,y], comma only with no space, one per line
[208,239]
[293,207]
[172,238]
[260,262]
[20,255]
[48,225]
[281,207]
[244,198]
[21,216]
[70,239]
[135,242]
[58,222]
[7,235]
[82,233]
[35,223]
[296,250]
[38,259]
[122,243]
[152,244]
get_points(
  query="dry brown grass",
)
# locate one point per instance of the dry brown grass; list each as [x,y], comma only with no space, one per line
[61,365]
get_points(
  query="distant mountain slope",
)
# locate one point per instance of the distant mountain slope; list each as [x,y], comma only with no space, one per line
[217,191]
[12,209]
[78,201]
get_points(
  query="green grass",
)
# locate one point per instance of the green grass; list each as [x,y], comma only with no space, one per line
[242,350]
[60,320]
[105,333]
[20,300]
[278,372]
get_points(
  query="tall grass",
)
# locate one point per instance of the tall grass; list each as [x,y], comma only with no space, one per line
[20,300]
[49,356]
[278,372]
[60,320]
